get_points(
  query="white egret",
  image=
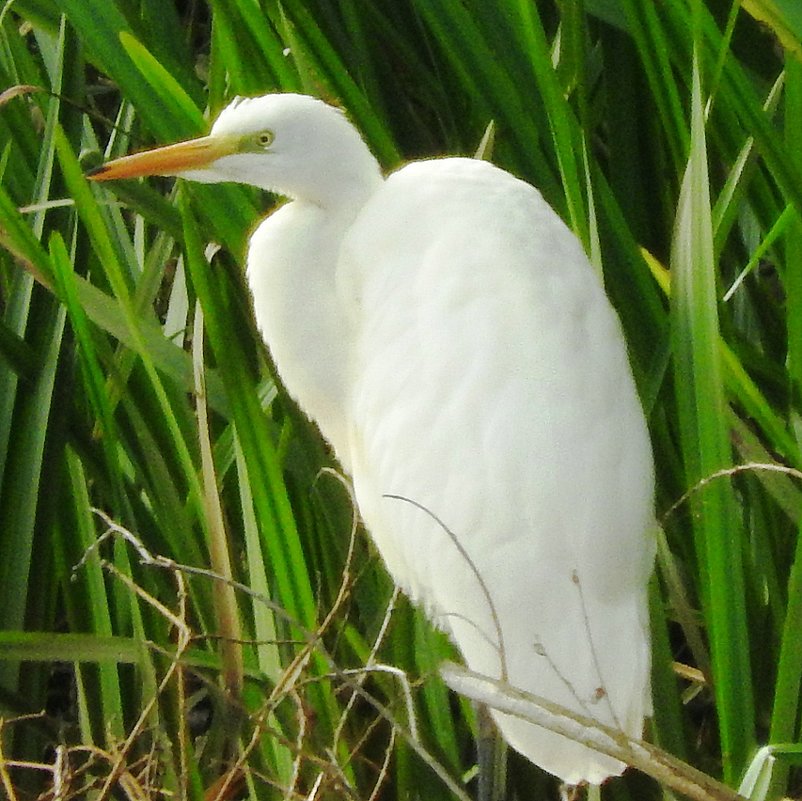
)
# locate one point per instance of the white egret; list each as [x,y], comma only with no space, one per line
[448,335]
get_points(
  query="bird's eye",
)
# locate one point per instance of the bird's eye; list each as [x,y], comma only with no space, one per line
[264,138]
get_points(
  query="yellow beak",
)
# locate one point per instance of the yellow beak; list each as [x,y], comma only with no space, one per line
[170,160]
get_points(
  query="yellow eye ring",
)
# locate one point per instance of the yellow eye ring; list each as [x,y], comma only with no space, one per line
[264,138]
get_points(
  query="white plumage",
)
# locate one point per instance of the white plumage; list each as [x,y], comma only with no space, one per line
[449,336]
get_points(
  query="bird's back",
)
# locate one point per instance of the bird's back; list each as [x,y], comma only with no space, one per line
[492,391]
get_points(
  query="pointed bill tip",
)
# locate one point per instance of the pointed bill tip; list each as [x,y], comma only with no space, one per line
[96,173]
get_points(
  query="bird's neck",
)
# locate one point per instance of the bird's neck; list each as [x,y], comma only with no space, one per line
[292,272]
[341,190]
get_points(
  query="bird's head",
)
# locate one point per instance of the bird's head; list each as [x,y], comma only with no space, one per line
[291,144]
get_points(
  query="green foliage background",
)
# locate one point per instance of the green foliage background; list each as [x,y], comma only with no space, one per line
[668,135]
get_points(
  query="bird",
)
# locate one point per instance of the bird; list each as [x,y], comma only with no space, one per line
[447,333]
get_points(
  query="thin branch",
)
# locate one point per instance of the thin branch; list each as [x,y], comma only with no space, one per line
[653,761]
[499,645]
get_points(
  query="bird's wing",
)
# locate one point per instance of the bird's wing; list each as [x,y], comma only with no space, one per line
[499,453]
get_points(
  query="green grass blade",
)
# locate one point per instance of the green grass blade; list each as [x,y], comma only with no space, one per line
[706,449]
